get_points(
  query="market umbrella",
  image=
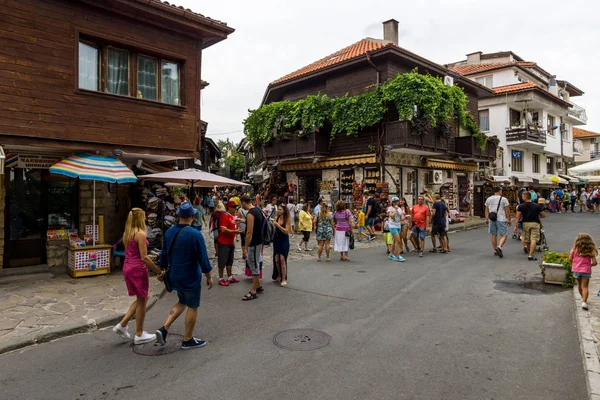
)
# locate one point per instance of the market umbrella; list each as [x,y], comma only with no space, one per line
[94,167]
[193,177]
[588,167]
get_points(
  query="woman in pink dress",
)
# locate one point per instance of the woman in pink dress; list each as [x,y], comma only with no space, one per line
[135,271]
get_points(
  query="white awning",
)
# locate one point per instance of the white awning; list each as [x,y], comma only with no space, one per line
[588,167]
[590,178]
[501,178]
[572,179]
[523,178]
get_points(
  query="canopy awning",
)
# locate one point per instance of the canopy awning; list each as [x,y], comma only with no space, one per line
[543,181]
[194,178]
[556,179]
[449,164]
[586,168]
[572,179]
[330,162]
[589,178]
[499,178]
[523,178]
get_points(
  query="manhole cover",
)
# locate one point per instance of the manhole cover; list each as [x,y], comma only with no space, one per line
[155,349]
[301,339]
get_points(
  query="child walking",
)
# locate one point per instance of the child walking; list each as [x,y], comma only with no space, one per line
[583,258]
[360,216]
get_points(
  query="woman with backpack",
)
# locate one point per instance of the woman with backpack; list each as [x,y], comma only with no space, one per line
[325,226]
[343,230]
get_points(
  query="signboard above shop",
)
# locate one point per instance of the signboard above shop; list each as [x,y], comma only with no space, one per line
[31,161]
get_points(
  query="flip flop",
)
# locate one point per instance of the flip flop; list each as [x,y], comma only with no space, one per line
[433,251]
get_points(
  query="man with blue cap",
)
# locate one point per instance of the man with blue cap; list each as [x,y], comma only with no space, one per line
[185,251]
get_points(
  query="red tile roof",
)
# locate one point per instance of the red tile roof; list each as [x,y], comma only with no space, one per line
[182,9]
[582,133]
[474,69]
[355,50]
[517,87]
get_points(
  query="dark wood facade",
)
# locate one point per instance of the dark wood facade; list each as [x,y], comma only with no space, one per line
[40,101]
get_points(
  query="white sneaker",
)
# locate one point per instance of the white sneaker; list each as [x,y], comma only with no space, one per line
[145,338]
[584,305]
[122,331]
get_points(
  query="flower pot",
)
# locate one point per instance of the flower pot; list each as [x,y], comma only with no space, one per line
[553,273]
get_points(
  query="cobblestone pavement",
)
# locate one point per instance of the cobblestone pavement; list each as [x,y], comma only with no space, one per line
[38,311]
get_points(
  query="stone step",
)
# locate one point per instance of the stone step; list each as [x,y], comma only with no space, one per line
[32,269]
[7,280]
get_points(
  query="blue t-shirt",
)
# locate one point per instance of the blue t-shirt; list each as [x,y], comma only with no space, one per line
[189,260]
[440,213]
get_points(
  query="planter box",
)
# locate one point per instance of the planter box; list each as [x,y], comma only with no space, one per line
[553,273]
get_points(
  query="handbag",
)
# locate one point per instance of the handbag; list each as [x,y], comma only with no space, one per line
[493,216]
[167,278]
[351,244]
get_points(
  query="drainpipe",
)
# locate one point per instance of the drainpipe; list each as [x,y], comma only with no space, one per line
[381,126]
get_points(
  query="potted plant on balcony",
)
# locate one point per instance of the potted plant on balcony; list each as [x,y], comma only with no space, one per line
[556,269]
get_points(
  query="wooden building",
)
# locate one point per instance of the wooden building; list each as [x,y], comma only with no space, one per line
[119,77]
[386,157]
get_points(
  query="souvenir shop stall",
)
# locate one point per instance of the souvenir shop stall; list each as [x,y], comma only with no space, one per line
[90,255]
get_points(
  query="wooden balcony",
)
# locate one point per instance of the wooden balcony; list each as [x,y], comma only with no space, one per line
[467,147]
[399,136]
[526,137]
[315,144]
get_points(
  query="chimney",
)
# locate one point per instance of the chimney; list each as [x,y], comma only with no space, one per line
[474,58]
[390,31]
[552,86]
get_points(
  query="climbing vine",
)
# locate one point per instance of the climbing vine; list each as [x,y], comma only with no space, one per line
[422,99]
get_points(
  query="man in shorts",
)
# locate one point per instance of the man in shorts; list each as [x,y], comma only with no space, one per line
[371,213]
[498,204]
[188,256]
[438,227]
[530,214]
[253,245]
[421,217]
[228,229]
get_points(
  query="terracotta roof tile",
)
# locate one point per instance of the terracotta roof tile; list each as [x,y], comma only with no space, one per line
[517,87]
[582,133]
[175,7]
[348,53]
[474,69]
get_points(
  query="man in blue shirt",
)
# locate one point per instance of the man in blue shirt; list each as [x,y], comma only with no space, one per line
[189,260]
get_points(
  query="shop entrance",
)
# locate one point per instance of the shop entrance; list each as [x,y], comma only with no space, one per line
[35,203]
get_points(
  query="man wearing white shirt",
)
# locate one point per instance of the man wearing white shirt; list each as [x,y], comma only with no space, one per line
[497,225]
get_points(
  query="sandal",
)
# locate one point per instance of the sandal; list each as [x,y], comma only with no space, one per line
[260,289]
[328,259]
[432,250]
[249,296]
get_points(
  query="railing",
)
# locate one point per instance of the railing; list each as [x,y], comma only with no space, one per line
[314,144]
[468,146]
[578,112]
[594,154]
[399,134]
[525,133]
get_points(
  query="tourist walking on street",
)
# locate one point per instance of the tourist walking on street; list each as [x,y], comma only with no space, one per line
[281,243]
[213,224]
[421,217]
[185,252]
[199,219]
[325,226]
[595,200]
[583,258]
[228,229]
[497,218]
[305,225]
[405,223]
[394,212]
[566,201]
[343,230]
[371,213]
[135,271]
[254,244]
[574,199]
[530,213]
[291,207]
[438,224]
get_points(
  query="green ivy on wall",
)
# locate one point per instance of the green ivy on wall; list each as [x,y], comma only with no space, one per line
[422,99]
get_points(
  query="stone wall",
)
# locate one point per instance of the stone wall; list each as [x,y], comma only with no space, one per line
[392,177]
[403,159]
[56,254]
[2,205]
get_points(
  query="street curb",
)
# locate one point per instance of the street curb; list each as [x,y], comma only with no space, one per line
[70,329]
[589,352]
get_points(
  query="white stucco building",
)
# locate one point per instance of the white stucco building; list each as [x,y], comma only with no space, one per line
[531,114]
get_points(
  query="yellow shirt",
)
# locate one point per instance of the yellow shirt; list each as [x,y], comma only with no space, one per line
[305,221]
[361,218]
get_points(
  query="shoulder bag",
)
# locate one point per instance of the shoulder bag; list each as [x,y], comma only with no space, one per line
[167,277]
[493,216]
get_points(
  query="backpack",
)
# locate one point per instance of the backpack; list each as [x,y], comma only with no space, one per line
[268,231]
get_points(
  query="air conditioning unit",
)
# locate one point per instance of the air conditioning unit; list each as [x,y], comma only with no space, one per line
[435,177]
[448,80]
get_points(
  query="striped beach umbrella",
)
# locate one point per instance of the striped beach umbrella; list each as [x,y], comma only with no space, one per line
[95,168]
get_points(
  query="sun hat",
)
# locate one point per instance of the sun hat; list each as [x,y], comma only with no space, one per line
[186,210]
[395,198]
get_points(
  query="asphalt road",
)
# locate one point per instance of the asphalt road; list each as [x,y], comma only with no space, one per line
[465,325]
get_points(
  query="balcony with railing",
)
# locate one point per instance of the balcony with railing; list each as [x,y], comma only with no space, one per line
[399,136]
[577,115]
[526,136]
[467,147]
[594,155]
[314,144]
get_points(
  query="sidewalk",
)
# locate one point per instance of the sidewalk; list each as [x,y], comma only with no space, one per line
[40,311]
[588,323]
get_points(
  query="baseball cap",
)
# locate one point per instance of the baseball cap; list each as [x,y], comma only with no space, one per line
[395,198]
[231,204]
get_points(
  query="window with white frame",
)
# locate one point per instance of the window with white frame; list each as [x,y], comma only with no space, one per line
[535,163]
[486,81]
[564,132]
[550,125]
[484,120]
[516,163]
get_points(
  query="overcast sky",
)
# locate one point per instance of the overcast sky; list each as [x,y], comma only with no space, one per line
[275,37]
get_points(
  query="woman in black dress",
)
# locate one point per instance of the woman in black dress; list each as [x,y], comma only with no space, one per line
[281,243]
